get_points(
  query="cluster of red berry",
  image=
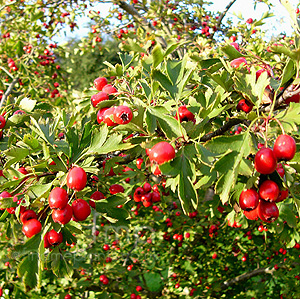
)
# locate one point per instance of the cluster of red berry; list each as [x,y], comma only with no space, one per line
[111,116]
[261,203]
[147,194]
[12,64]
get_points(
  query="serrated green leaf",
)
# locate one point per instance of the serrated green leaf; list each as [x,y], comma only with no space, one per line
[153,281]
[27,104]
[158,55]
[289,118]
[287,215]
[165,82]
[28,270]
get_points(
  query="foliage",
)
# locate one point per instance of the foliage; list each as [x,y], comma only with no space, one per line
[195,241]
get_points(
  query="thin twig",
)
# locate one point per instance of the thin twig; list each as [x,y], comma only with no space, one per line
[8,91]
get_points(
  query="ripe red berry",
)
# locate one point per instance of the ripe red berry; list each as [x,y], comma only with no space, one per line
[265,161]
[68,296]
[100,82]
[76,178]
[244,105]
[139,163]
[185,114]
[235,45]
[54,237]
[248,199]
[267,211]
[238,62]
[147,187]
[58,198]
[105,281]
[155,196]
[106,247]
[31,227]
[62,216]
[99,97]
[116,188]
[109,89]
[162,152]
[122,115]
[139,288]
[27,215]
[269,190]
[214,256]
[81,209]
[284,147]
[251,214]
[108,116]
[139,191]
[283,194]
[2,122]
[46,241]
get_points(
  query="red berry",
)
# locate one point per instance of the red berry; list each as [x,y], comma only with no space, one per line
[46,241]
[76,178]
[54,237]
[235,45]
[283,194]
[238,62]
[214,256]
[162,152]
[139,288]
[185,114]
[139,191]
[248,199]
[116,188]
[81,209]
[122,115]
[99,97]
[31,227]
[100,82]
[62,216]
[108,116]
[109,89]
[284,147]
[58,198]
[244,105]
[2,122]
[105,281]
[106,247]
[251,214]
[267,211]
[269,190]
[27,215]
[68,296]
[265,161]
[147,187]
[139,163]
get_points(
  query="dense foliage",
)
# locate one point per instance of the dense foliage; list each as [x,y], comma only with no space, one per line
[173,175]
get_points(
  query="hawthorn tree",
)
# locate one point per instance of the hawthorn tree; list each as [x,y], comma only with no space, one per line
[173,176]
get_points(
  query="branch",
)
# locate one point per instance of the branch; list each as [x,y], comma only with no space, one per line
[223,15]
[232,122]
[8,91]
[256,272]
[135,14]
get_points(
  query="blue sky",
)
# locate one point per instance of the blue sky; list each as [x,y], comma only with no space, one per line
[278,24]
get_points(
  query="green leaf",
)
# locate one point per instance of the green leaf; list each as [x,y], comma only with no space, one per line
[231,52]
[126,60]
[158,55]
[31,246]
[228,168]
[289,118]
[98,138]
[40,190]
[27,104]
[293,16]
[28,270]
[168,124]
[287,214]
[150,121]
[165,82]
[3,216]
[288,72]
[153,281]
[15,154]
[60,266]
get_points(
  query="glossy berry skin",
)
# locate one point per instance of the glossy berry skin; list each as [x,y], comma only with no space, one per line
[283,194]
[294,99]
[284,147]
[235,45]
[100,115]
[268,191]
[248,199]
[252,214]
[100,82]
[27,215]
[109,89]
[265,161]
[97,195]
[54,237]
[81,209]
[62,216]
[238,62]
[116,188]
[185,114]
[108,116]
[76,179]
[268,211]
[155,196]
[139,163]
[139,191]
[68,296]
[162,152]
[46,241]
[31,227]
[244,105]
[2,122]
[122,115]
[99,97]
[147,187]
[58,198]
